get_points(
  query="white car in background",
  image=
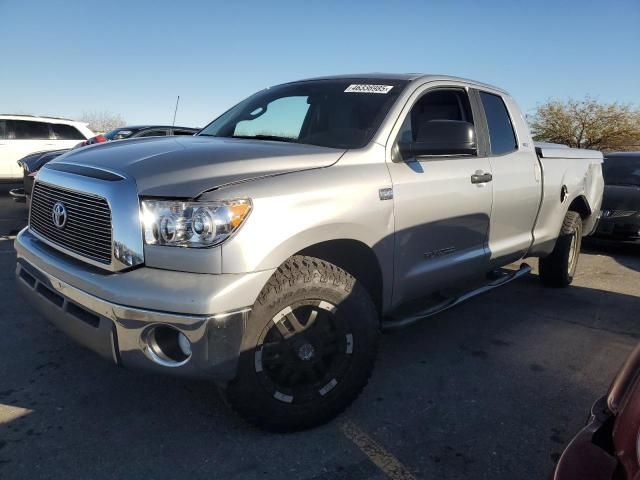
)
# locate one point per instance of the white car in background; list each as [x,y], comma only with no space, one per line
[21,135]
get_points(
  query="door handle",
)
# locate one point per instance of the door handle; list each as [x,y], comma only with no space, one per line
[481,177]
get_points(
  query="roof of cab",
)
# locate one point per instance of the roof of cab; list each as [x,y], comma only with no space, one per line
[409,77]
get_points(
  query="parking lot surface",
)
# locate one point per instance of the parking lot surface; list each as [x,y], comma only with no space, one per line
[492,389]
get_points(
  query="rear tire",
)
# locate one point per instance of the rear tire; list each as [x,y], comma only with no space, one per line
[557,269]
[309,347]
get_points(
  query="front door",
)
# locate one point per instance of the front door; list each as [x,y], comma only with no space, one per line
[442,204]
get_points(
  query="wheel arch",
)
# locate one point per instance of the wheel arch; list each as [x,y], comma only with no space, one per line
[580,204]
[354,257]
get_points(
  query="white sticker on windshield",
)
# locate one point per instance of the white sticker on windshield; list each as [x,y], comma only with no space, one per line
[359,88]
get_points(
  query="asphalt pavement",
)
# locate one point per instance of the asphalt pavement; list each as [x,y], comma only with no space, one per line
[492,389]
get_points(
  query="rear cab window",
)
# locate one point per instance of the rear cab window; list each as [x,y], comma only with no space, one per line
[153,133]
[502,137]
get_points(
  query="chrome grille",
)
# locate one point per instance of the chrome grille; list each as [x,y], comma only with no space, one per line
[87,231]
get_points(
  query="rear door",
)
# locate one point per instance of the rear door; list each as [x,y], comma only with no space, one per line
[441,217]
[516,181]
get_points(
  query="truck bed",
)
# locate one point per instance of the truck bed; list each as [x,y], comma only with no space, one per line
[574,176]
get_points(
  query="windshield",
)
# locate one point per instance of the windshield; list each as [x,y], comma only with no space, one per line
[621,171]
[328,113]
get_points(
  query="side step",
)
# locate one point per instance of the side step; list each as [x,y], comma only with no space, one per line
[390,324]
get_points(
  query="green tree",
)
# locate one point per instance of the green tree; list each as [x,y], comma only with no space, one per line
[588,124]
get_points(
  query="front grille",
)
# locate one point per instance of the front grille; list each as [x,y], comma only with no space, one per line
[87,231]
[618,213]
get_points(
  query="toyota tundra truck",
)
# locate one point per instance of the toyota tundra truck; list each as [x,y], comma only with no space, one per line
[267,252]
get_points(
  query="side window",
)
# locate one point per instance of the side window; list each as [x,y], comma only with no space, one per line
[66,132]
[153,133]
[3,129]
[183,132]
[28,130]
[427,115]
[121,134]
[501,134]
[283,117]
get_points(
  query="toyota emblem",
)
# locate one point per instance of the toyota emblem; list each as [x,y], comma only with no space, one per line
[59,215]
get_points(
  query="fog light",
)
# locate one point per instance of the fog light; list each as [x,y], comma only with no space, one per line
[167,346]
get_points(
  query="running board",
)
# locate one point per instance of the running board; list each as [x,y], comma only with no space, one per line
[389,324]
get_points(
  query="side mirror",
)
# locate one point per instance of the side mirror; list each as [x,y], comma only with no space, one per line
[441,137]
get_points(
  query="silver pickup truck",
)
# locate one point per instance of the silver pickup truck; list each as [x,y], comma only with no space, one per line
[267,252]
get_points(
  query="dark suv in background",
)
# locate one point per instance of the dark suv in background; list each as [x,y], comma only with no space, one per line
[138,131]
[621,202]
[34,162]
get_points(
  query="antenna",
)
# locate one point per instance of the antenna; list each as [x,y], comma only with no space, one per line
[175,111]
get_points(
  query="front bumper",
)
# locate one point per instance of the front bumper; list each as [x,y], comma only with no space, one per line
[112,313]
[625,228]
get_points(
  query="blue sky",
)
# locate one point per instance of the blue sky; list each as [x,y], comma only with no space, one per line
[133,57]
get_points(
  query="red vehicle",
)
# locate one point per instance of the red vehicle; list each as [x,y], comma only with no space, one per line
[609,446]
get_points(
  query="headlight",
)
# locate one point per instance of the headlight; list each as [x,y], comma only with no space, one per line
[191,224]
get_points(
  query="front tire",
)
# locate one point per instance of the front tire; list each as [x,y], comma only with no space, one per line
[558,269]
[309,347]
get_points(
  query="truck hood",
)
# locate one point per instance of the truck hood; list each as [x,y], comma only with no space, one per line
[185,167]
